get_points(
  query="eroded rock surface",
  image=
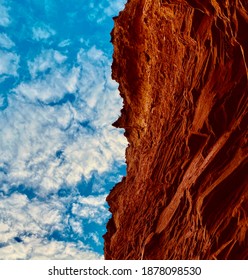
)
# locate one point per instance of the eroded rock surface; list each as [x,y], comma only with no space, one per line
[182,70]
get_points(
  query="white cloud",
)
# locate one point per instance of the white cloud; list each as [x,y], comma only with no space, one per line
[42,32]
[51,89]
[2,101]
[5,41]
[93,200]
[25,226]
[22,217]
[48,59]
[76,226]
[114,7]
[95,237]
[40,249]
[34,131]
[64,43]
[104,9]
[95,54]
[56,130]
[4,15]
[92,208]
[9,63]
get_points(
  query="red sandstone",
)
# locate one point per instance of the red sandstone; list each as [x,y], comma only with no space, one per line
[182,71]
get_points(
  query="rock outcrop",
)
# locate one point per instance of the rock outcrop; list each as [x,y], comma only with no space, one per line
[182,69]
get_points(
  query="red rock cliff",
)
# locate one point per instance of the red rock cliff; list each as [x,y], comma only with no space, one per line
[181,66]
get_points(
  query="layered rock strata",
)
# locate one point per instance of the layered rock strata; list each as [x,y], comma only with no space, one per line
[182,71]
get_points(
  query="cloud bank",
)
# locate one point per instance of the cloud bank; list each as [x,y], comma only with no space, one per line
[59,154]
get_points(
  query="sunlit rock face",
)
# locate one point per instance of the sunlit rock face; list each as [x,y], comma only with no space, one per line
[182,70]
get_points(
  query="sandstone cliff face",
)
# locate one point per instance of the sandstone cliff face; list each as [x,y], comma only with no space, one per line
[182,70]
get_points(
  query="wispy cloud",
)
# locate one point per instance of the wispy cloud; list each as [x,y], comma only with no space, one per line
[42,32]
[4,14]
[64,43]
[21,217]
[58,150]
[26,227]
[5,41]
[40,249]
[58,125]
[9,63]
[114,7]
[92,208]
[110,8]
[48,59]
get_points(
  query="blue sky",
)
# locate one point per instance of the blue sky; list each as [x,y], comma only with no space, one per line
[59,154]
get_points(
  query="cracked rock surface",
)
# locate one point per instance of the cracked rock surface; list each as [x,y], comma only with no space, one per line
[182,69]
